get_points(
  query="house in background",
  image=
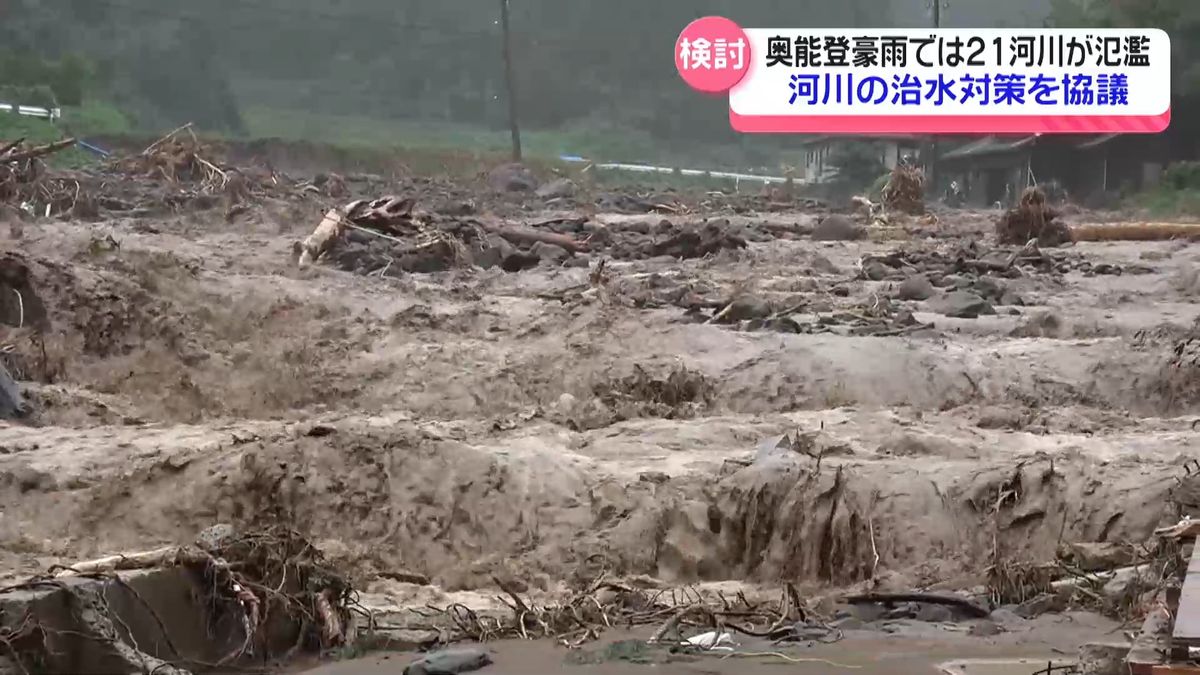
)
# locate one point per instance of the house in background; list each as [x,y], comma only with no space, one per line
[816,167]
[1090,168]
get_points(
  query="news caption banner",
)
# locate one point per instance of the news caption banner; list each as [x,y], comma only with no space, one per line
[890,81]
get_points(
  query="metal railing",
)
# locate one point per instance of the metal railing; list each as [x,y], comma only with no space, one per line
[52,114]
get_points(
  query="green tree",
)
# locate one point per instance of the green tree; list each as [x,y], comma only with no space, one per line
[1181,20]
[858,163]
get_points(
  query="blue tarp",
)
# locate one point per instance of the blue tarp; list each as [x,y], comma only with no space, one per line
[88,146]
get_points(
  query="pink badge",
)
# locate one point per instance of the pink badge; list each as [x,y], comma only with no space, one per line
[712,54]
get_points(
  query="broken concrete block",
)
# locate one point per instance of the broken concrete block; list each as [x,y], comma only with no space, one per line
[512,178]
[838,228]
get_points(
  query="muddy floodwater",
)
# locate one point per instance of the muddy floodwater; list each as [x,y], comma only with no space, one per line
[591,407]
[913,650]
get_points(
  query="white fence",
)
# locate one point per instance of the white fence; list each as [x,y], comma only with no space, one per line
[52,114]
[646,168]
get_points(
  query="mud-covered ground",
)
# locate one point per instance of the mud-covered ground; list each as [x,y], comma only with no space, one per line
[474,424]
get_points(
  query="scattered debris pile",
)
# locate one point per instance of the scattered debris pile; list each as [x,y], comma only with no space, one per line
[681,393]
[1032,219]
[632,201]
[608,602]
[878,316]
[905,191]
[26,184]
[177,157]
[1118,580]
[176,171]
[182,161]
[387,236]
[264,595]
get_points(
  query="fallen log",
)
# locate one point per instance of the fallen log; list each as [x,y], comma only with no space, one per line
[969,606]
[1184,529]
[1136,232]
[159,557]
[523,235]
[564,220]
[7,147]
[1120,574]
[40,151]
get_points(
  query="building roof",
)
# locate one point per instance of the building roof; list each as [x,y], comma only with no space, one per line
[834,138]
[990,145]
[1096,141]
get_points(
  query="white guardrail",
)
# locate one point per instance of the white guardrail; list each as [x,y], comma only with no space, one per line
[646,168]
[51,114]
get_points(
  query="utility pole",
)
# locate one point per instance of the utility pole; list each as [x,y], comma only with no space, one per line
[933,143]
[510,83]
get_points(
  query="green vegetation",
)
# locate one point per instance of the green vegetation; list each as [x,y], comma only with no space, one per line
[1177,194]
[96,118]
[32,129]
[591,76]
[361,131]
[858,164]
[80,121]
[1167,203]
[365,73]
[37,132]
[33,80]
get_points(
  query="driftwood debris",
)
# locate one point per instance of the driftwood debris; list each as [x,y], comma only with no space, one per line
[258,575]
[7,147]
[967,605]
[177,157]
[1136,232]
[394,219]
[25,184]
[387,217]
[1187,528]
[159,557]
[905,190]
[329,230]
[1033,219]
[32,153]
[525,236]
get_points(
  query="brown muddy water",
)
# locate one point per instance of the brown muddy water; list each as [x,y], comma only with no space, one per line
[914,649]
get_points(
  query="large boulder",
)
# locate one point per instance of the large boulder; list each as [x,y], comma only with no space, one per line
[512,177]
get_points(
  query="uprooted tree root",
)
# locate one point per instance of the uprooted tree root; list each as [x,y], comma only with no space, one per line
[1032,219]
[905,191]
[268,579]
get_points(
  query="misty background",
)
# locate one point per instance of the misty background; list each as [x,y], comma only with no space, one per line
[593,77]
